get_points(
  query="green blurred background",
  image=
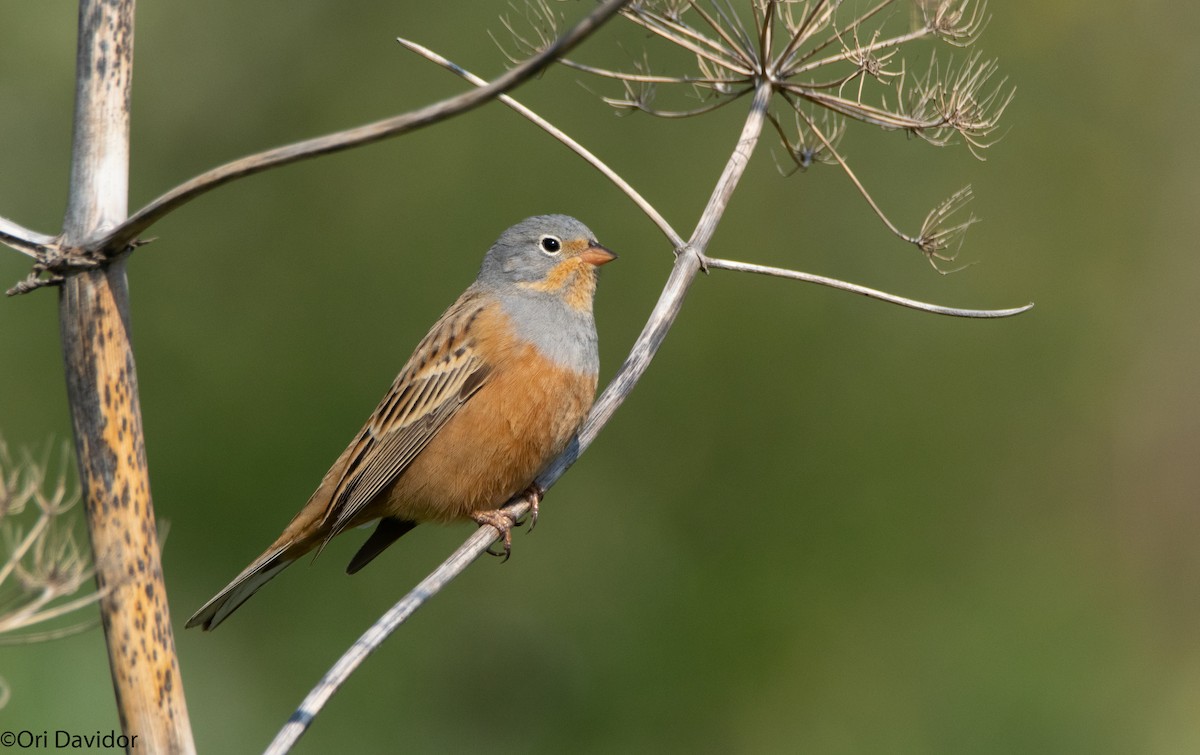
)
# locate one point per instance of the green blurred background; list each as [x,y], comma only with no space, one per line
[820,524]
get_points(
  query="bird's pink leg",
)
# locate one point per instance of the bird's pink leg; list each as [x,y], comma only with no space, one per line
[504,521]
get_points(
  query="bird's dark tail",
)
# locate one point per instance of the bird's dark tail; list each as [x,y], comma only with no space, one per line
[387,532]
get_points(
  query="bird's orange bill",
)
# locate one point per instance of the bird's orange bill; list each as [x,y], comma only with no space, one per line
[597,255]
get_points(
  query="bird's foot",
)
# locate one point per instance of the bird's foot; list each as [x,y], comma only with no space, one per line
[503,519]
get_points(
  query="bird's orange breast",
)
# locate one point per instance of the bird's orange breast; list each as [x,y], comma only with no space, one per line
[497,442]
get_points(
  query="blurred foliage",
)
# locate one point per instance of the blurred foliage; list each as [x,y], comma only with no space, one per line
[821,524]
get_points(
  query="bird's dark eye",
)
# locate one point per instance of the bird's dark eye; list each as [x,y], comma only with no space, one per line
[551,245]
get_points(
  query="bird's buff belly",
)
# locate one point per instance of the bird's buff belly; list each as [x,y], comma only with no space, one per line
[495,445]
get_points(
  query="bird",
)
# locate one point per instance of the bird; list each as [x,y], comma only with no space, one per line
[495,391]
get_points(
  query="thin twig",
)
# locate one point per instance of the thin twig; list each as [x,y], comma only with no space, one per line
[645,206]
[34,614]
[871,293]
[739,46]
[690,259]
[640,78]
[669,114]
[862,190]
[734,169]
[475,545]
[18,552]
[29,638]
[687,264]
[141,220]
[845,55]
[870,114]
[27,242]
[682,36]
[803,31]
[786,61]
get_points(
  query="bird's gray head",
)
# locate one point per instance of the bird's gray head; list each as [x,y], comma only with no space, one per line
[548,254]
[543,271]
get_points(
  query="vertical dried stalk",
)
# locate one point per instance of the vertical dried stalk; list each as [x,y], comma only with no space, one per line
[103,394]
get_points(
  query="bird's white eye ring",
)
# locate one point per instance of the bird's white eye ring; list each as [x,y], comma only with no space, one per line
[551,245]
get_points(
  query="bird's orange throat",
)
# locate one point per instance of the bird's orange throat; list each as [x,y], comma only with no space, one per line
[573,279]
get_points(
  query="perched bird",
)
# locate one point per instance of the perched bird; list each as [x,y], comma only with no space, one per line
[491,395]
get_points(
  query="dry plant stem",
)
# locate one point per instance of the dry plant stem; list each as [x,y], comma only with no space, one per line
[690,259]
[26,543]
[862,190]
[29,638]
[687,263]
[103,396]
[674,237]
[639,78]
[871,293]
[127,231]
[479,542]
[32,614]
[25,241]
[645,206]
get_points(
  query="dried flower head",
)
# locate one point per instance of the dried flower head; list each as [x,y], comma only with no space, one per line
[827,62]
[942,233]
[41,562]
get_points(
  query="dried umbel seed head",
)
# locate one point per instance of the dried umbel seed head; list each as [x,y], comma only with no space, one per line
[41,562]
[826,62]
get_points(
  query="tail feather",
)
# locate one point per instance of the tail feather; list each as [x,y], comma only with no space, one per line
[237,592]
[389,530]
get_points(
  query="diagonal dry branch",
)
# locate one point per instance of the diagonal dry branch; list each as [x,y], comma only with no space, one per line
[670,302]
[27,242]
[102,356]
[140,221]
[88,259]
[690,258]
[61,255]
[633,194]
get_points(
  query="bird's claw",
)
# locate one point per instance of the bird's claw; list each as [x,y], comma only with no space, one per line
[503,522]
[534,493]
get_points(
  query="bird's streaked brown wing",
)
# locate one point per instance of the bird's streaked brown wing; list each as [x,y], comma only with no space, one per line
[443,374]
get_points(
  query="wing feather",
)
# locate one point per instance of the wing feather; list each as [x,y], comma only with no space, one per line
[443,374]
